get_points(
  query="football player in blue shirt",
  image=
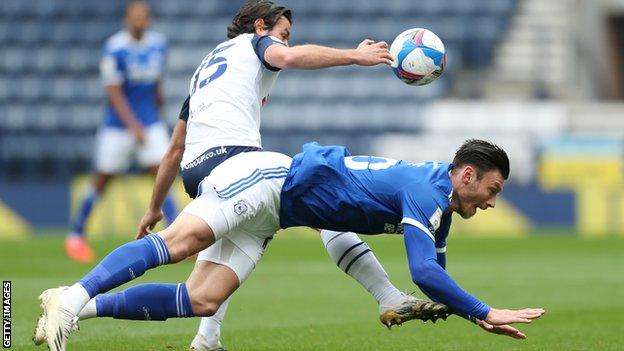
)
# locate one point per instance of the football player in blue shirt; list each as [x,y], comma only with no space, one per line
[251,195]
[132,67]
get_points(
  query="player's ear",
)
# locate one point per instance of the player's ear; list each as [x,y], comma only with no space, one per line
[468,174]
[260,27]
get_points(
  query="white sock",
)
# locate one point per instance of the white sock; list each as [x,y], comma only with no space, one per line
[354,257]
[210,328]
[74,298]
[89,311]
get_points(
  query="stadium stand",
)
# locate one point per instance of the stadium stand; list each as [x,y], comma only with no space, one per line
[53,101]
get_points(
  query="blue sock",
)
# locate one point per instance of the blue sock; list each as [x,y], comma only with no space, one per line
[155,302]
[83,213]
[125,263]
[169,209]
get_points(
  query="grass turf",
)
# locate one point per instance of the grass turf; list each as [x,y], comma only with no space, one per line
[298,300]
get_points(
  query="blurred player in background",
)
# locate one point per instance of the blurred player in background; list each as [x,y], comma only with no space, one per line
[221,118]
[250,196]
[132,68]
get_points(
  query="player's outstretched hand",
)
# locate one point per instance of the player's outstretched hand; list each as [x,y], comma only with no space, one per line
[501,329]
[370,53]
[501,317]
[497,321]
[148,222]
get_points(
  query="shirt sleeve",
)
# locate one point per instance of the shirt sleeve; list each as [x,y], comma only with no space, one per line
[434,281]
[260,44]
[111,69]
[184,111]
[421,208]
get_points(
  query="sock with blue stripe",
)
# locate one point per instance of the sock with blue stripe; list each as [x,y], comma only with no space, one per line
[146,302]
[83,213]
[169,209]
[125,263]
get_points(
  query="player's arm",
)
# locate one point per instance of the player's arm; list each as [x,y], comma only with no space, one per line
[113,79]
[310,56]
[440,239]
[160,97]
[434,281]
[167,172]
[119,102]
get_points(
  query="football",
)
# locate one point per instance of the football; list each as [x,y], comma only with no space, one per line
[419,56]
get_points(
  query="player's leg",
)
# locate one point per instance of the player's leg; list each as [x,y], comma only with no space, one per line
[354,257]
[227,254]
[113,151]
[76,245]
[241,249]
[186,236]
[149,156]
[207,288]
[208,337]
[161,301]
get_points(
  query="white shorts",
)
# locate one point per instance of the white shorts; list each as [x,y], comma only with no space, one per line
[240,200]
[225,252]
[116,148]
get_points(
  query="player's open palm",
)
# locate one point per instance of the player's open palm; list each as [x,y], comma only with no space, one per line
[501,317]
[370,53]
[497,321]
[149,220]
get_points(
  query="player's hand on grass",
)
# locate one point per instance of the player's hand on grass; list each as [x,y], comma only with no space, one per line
[501,329]
[148,222]
[370,53]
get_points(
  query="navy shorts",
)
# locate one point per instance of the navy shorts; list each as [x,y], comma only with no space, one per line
[195,171]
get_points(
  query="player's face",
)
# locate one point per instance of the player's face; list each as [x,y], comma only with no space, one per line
[478,193]
[138,17]
[281,30]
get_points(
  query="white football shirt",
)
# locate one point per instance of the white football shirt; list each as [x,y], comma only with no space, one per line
[226,93]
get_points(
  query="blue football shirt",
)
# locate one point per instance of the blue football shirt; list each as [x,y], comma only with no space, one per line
[137,66]
[330,189]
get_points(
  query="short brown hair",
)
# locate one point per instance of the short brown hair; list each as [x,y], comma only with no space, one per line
[483,155]
[252,10]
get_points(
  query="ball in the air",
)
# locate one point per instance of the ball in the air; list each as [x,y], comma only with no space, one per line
[419,56]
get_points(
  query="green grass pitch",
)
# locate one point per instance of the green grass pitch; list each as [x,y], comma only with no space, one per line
[298,300]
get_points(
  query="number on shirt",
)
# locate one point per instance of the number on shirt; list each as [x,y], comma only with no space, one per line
[360,163]
[210,61]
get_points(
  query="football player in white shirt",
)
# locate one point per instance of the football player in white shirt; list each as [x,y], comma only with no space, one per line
[221,118]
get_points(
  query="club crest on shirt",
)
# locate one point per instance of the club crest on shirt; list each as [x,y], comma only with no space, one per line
[240,207]
[435,220]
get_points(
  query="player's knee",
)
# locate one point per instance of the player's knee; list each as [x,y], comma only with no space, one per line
[203,307]
[176,243]
[183,242]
